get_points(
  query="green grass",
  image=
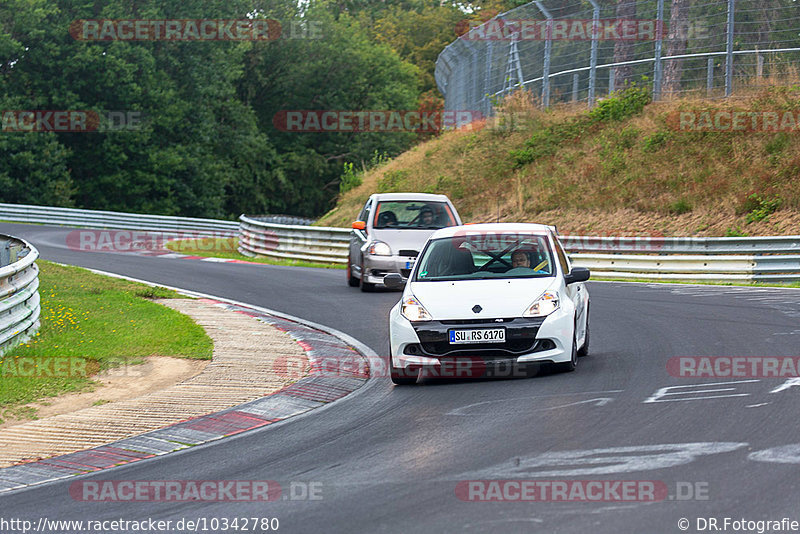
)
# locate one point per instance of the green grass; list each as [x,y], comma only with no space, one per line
[228,249]
[95,323]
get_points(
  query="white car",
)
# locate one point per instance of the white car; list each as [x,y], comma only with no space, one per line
[488,295]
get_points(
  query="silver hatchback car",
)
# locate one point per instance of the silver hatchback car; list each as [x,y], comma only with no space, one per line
[389,233]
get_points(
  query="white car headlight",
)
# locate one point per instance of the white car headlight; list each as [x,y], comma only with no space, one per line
[413,310]
[543,306]
[379,248]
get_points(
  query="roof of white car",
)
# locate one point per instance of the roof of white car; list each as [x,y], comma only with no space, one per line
[426,197]
[494,228]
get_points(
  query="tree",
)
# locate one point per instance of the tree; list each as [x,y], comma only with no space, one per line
[624,49]
[676,45]
[343,71]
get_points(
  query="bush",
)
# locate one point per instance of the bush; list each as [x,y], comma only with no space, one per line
[655,141]
[760,208]
[621,105]
[680,207]
[350,179]
[546,142]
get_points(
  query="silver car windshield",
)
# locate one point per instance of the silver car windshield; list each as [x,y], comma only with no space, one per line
[412,215]
[486,256]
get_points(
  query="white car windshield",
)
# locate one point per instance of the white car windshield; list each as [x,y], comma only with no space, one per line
[403,214]
[486,256]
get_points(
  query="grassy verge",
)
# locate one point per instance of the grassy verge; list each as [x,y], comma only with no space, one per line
[228,249]
[90,323]
[624,168]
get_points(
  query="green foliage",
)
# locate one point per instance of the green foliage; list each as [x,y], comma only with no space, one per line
[735,232]
[350,179]
[208,147]
[621,105]
[656,141]
[777,144]
[759,208]
[545,142]
[392,181]
[628,137]
[679,207]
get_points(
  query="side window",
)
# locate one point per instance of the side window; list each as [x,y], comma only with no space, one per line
[562,257]
[365,212]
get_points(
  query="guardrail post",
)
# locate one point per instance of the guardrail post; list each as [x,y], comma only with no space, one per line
[593,58]
[729,51]
[548,52]
[5,253]
[658,69]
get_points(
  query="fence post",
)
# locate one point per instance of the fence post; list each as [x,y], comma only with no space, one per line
[514,67]
[548,51]
[487,79]
[658,69]
[593,59]
[729,52]
[610,81]
[475,79]
[759,64]
[710,77]
[575,82]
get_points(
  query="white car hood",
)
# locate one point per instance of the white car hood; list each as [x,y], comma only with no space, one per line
[498,298]
[406,239]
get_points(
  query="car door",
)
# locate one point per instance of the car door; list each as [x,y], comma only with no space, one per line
[358,238]
[575,292]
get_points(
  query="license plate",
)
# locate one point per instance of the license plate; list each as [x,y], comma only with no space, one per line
[409,265]
[487,335]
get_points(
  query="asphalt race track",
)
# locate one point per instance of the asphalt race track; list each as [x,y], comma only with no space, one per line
[389,459]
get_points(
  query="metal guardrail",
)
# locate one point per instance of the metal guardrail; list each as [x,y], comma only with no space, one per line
[293,242]
[762,259]
[19,296]
[683,245]
[115,220]
[284,219]
[775,259]
[746,268]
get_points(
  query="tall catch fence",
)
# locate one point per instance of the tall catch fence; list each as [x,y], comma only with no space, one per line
[580,51]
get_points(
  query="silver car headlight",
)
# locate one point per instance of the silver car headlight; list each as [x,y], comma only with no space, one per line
[379,248]
[413,310]
[543,306]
